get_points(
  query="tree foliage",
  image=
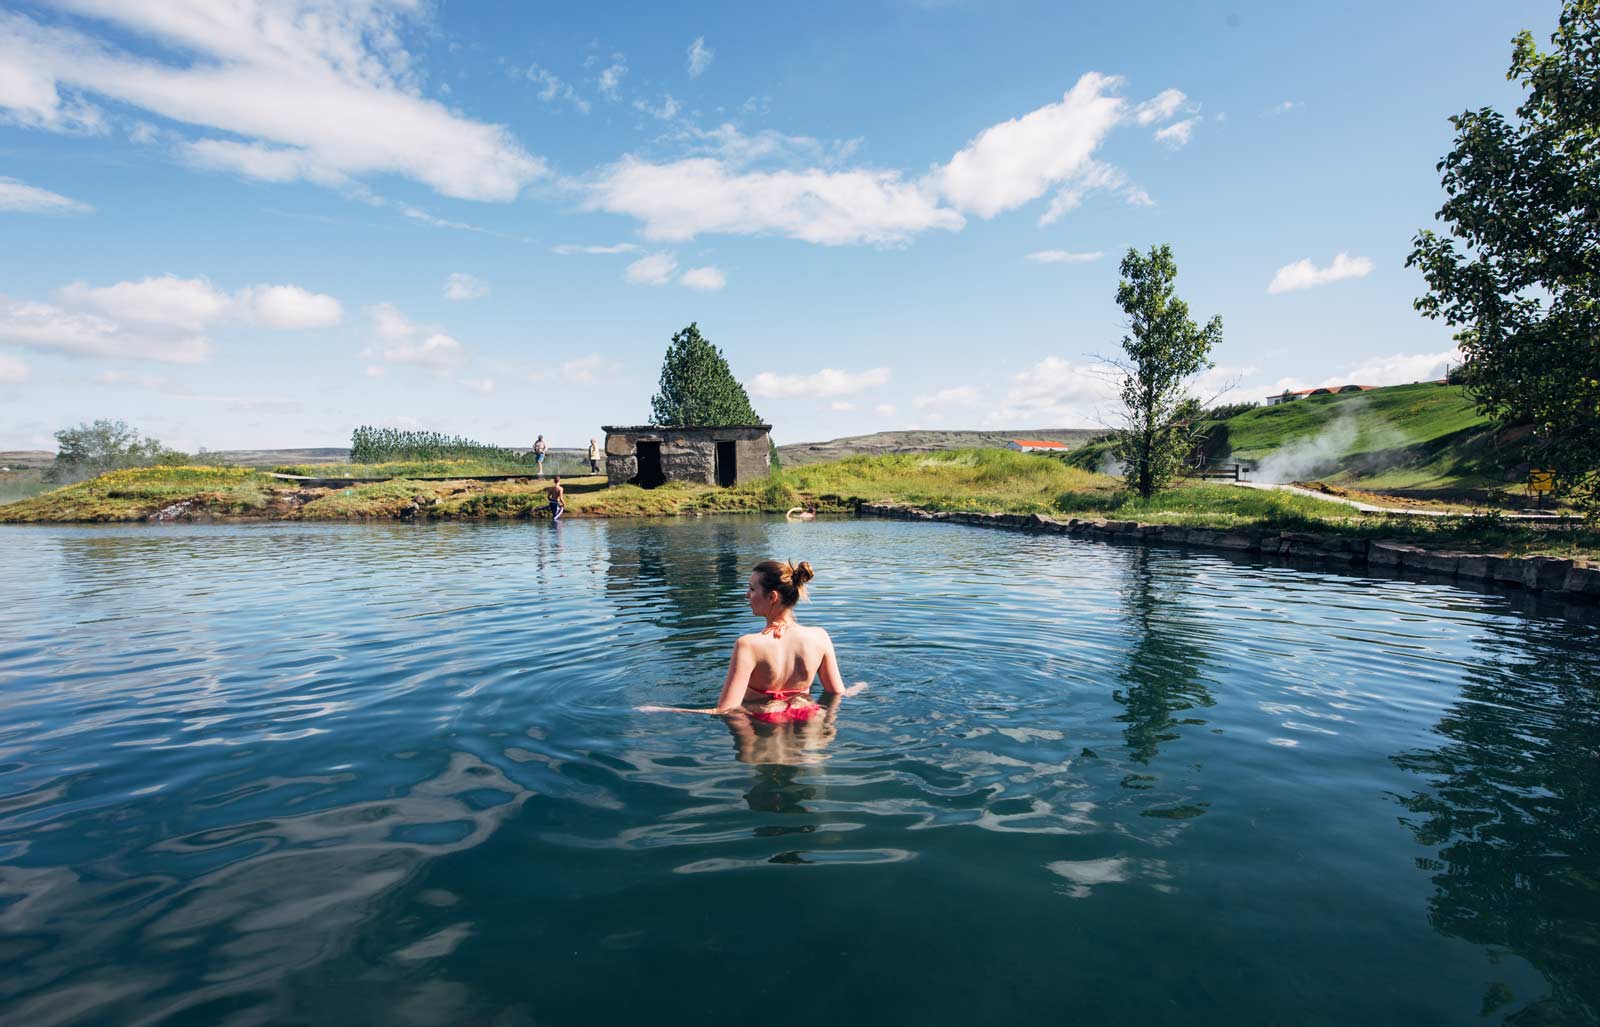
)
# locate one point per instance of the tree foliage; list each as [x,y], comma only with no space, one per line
[1520,272]
[85,450]
[697,386]
[370,445]
[1165,349]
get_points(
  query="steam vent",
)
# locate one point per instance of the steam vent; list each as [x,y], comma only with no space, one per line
[648,455]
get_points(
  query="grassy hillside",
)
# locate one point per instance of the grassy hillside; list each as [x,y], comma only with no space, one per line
[1409,437]
[884,443]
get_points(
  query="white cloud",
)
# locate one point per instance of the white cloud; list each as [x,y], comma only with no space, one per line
[1177,134]
[185,303]
[1094,176]
[682,199]
[399,341]
[552,88]
[1017,161]
[376,370]
[461,286]
[482,386]
[1399,369]
[884,409]
[567,249]
[12,370]
[143,133]
[1063,257]
[418,214]
[1285,107]
[315,90]
[1003,167]
[839,406]
[704,279]
[189,304]
[962,396]
[18,196]
[666,110]
[1302,274]
[589,369]
[826,382]
[1058,393]
[48,328]
[656,269]
[700,57]
[611,78]
[288,306]
[1160,108]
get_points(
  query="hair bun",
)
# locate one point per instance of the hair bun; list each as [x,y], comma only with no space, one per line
[803,573]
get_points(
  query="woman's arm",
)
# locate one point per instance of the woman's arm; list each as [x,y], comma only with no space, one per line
[832,680]
[734,685]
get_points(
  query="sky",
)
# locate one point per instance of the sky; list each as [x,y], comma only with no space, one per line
[245,224]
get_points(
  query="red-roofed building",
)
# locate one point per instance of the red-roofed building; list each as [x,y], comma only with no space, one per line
[1327,390]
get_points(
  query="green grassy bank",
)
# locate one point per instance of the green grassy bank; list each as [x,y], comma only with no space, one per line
[980,480]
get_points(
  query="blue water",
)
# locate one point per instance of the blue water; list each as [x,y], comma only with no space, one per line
[348,774]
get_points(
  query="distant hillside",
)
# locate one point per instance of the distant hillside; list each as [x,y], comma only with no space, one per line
[801,453]
[1404,437]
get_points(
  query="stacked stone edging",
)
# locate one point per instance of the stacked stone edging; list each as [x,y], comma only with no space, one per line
[1567,579]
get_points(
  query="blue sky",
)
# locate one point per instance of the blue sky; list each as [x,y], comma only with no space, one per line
[259,225]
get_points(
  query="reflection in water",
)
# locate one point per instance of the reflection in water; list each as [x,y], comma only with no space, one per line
[1513,807]
[787,757]
[1161,678]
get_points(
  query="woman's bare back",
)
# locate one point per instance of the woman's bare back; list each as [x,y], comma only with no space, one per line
[787,661]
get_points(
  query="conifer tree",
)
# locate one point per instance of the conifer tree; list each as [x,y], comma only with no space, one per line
[697,386]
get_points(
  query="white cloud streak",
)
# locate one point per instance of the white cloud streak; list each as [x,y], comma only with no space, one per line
[826,382]
[51,329]
[656,269]
[700,57]
[317,90]
[567,249]
[1162,107]
[1177,134]
[28,199]
[1005,166]
[1063,257]
[1058,393]
[1303,274]
[462,286]
[961,396]
[704,279]
[397,340]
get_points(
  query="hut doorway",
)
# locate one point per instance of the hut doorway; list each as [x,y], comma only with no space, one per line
[649,475]
[727,464]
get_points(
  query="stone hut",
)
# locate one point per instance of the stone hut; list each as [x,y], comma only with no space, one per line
[650,454]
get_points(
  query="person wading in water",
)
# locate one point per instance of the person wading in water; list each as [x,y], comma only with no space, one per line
[771,671]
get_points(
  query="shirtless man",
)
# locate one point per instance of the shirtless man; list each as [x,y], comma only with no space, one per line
[771,671]
[558,499]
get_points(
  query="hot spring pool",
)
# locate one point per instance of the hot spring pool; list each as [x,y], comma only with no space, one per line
[328,774]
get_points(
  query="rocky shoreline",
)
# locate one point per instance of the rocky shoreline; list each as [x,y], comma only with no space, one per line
[1558,577]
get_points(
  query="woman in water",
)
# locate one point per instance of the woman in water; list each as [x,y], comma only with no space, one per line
[770,675]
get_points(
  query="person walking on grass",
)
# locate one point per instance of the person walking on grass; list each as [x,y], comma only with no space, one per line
[594,457]
[540,448]
[558,499]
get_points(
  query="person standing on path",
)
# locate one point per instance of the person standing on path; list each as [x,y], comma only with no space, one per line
[540,448]
[594,457]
